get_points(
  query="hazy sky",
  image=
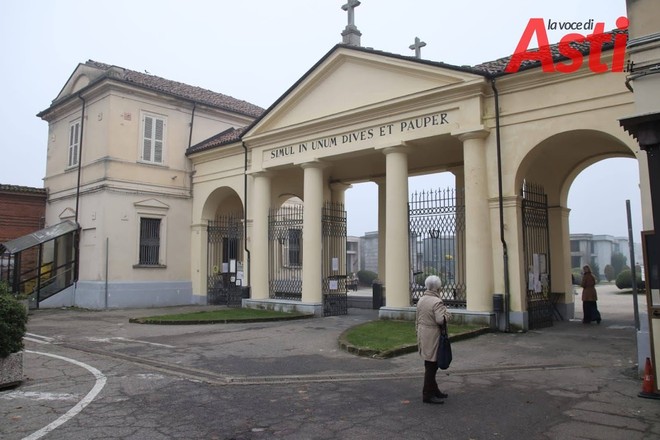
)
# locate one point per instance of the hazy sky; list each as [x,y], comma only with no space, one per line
[256,49]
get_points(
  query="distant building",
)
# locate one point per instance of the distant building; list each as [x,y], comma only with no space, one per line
[369,251]
[598,250]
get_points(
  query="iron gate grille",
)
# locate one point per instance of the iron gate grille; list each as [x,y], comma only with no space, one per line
[536,244]
[285,227]
[225,256]
[335,301]
[436,222]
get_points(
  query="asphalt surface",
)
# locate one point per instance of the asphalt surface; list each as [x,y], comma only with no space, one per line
[94,375]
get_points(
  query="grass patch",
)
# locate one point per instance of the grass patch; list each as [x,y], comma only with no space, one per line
[219,316]
[385,335]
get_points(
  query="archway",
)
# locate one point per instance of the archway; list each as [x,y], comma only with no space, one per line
[552,165]
[225,266]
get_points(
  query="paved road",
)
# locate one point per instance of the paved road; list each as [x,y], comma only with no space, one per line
[93,375]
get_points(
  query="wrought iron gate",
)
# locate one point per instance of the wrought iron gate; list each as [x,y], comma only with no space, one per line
[536,245]
[285,226]
[335,300]
[436,222]
[225,261]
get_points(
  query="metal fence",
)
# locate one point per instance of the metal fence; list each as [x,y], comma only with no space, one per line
[335,301]
[436,222]
[536,245]
[224,260]
[285,227]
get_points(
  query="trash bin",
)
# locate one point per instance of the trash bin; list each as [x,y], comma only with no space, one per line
[498,302]
[377,295]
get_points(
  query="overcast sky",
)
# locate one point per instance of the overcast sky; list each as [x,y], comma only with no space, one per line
[256,49]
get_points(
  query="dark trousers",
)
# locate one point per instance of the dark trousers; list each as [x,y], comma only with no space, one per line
[590,312]
[430,385]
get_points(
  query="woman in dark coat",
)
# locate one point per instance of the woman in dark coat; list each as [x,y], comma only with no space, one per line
[589,297]
[431,314]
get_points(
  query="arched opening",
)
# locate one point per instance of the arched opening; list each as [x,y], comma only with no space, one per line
[225,265]
[552,167]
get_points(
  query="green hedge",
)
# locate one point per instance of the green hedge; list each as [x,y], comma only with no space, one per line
[13,322]
[366,277]
[624,280]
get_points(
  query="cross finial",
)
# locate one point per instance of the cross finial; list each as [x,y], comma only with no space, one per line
[417,47]
[350,7]
[351,35]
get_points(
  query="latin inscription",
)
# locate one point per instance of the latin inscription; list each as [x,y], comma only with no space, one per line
[406,126]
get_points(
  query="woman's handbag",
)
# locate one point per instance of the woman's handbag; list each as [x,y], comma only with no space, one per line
[444,349]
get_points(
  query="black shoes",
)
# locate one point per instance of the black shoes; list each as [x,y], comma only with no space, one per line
[433,399]
[441,395]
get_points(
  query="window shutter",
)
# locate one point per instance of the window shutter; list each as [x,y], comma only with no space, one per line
[158,141]
[148,130]
[74,134]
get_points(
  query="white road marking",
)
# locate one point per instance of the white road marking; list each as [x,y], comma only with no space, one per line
[117,338]
[33,395]
[98,386]
[38,338]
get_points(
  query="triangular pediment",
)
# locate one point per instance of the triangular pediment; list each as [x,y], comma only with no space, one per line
[68,213]
[151,204]
[80,78]
[347,80]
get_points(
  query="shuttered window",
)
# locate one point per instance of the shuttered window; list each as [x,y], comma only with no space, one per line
[74,144]
[153,138]
[149,241]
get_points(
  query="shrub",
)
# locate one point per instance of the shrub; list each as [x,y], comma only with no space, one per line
[366,277]
[624,280]
[609,272]
[577,275]
[13,321]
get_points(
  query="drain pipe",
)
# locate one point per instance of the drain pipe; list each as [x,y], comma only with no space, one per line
[80,150]
[245,212]
[505,252]
[82,130]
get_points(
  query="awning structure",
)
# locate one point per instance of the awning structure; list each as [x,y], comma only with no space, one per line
[41,236]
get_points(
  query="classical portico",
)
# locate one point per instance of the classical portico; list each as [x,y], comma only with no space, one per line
[361,115]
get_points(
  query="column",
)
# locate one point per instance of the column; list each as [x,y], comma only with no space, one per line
[560,257]
[198,262]
[312,233]
[459,251]
[382,228]
[479,258]
[397,263]
[259,246]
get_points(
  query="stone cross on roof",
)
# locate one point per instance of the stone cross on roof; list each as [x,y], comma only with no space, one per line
[351,35]
[350,7]
[417,47]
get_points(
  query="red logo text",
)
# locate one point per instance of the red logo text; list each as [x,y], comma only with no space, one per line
[596,40]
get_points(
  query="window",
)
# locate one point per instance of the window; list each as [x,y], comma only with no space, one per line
[74,144]
[153,139]
[149,241]
[293,249]
[575,246]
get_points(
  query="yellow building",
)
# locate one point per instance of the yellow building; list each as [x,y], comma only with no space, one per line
[226,214]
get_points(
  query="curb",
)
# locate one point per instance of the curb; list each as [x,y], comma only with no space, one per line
[216,321]
[404,349]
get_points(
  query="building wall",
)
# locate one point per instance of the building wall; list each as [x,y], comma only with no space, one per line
[118,188]
[22,210]
[369,252]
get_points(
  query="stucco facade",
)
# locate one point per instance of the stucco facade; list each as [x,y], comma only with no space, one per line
[362,115]
[116,161]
